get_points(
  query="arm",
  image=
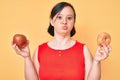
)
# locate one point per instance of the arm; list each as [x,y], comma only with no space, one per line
[35,61]
[88,61]
[30,71]
[95,71]
[93,68]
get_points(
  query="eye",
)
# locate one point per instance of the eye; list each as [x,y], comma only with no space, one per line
[59,17]
[69,17]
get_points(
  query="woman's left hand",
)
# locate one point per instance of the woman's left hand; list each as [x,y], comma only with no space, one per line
[102,53]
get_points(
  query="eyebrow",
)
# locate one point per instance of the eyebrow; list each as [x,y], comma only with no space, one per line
[67,15]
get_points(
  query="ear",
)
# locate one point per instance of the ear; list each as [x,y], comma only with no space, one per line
[51,22]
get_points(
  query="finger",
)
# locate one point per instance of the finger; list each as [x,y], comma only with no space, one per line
[103,53]
[99,48]
[13,45]
[106,49]
[17,48]
[109,48]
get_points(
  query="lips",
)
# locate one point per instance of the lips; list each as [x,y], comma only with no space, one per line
[65,27]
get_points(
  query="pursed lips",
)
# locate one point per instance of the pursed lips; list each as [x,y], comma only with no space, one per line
[65,27]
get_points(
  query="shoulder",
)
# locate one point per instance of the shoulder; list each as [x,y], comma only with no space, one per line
[87,54]
[80,44]
[86,50]
[42,44]
[39,48]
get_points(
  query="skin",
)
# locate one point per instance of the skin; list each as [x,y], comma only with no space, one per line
[63,23]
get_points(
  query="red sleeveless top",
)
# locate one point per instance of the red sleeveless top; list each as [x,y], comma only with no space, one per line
[65,64]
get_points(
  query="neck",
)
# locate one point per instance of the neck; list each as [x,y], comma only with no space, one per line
[58,40]
[61,42]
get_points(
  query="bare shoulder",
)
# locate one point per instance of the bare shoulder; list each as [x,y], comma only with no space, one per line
[87,53]
[88,57]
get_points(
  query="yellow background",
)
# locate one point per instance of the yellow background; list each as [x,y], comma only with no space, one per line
[31,17]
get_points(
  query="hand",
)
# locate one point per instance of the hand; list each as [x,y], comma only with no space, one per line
[24,52]
[102,53]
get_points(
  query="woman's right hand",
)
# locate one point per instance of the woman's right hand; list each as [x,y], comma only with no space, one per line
[24,52]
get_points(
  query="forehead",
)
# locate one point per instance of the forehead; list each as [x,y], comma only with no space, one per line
[66,10]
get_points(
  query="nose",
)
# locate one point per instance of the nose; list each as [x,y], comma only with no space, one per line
[64,21]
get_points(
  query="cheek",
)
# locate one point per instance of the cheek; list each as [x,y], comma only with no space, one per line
[71,24]
[57,26]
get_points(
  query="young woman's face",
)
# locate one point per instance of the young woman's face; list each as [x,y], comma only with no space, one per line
[63,21]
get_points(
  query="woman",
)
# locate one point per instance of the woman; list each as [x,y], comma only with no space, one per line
[62,58]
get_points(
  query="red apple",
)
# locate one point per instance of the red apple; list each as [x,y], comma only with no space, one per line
[20,40]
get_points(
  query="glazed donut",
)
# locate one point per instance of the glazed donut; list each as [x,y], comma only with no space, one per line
[103,39]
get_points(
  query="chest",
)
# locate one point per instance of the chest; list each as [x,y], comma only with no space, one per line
[62,64]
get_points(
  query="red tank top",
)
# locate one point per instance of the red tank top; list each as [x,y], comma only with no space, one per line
[65,64]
